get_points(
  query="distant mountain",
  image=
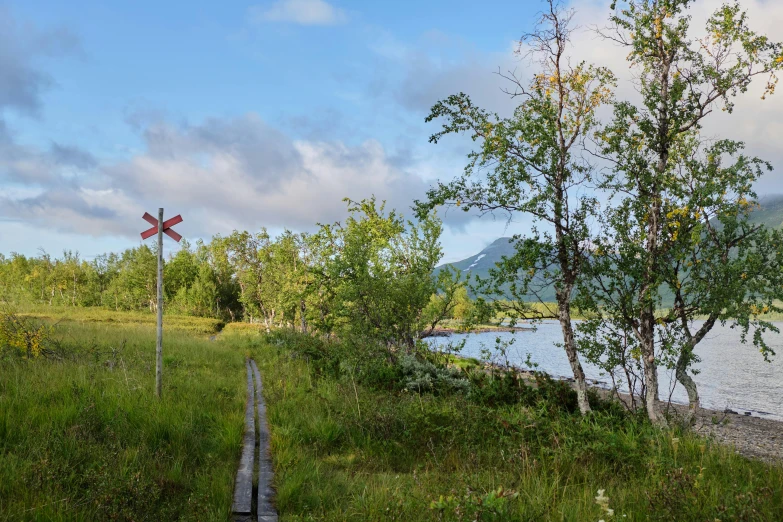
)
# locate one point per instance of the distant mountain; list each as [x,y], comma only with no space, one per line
[484,260]
[480,264]
[770,214]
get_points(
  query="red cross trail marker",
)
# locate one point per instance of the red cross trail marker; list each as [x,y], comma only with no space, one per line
[161,227]
[166,227]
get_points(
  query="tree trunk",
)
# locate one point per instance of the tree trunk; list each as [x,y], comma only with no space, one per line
[647,341]
[302,310]
[266,322]
[573,358]
[687,382]
[686,353]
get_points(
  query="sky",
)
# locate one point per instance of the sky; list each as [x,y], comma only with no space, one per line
[242,115]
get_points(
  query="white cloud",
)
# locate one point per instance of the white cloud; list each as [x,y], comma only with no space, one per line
[220,175]
[425,73]
[303,12]
[417,75]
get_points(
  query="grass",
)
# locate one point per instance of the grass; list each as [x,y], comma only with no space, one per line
[83,437]
[345,450]
[548,310]
[462,362]
[197,325]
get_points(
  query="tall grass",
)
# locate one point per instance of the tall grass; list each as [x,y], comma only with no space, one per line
[83,438]
[346,450]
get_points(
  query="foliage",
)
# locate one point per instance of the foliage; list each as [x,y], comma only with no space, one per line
[20,335]
[678,222]
[529,164]
[473,506]
[197,282]
[379,275]
[424,376]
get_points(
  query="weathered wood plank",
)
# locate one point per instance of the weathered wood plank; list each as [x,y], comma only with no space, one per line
[266,510]
[243,489]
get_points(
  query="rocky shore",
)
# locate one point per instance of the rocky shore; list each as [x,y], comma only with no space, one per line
[751,436]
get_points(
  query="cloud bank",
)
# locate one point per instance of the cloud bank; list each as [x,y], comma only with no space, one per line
[221,174]
[757,123]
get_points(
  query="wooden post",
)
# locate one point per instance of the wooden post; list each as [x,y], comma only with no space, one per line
[161,228]
[159,343]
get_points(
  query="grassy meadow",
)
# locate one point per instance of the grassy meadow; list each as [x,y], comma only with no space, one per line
[187,323]
[82,436]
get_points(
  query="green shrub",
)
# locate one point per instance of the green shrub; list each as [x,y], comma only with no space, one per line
[424,376]
[23,336]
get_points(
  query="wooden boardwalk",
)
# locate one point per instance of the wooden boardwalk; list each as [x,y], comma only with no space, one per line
[255,458]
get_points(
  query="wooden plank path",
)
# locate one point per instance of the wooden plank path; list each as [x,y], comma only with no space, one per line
[243,508]
[266,511]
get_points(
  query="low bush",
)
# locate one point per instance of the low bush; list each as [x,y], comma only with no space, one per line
[421,375]
[23,336]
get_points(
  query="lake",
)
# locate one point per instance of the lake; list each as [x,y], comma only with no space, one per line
[732,375]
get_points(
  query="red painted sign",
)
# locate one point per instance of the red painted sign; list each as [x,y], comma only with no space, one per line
[166,226]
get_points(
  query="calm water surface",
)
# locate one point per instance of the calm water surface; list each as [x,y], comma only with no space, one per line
[732,375]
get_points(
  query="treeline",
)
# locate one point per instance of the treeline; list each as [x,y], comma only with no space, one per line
[371,276]
[196,282]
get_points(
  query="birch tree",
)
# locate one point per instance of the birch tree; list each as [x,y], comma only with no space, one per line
[677,235]
[530,164]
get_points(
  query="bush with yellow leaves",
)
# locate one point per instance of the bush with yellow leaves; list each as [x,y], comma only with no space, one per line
[23,336]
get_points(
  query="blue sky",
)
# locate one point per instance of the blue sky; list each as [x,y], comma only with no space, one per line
[243,114]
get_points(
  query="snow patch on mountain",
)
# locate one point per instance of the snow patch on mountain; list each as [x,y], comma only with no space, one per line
[475,262]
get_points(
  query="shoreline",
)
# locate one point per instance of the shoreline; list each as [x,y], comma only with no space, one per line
[749,435]
[448,332]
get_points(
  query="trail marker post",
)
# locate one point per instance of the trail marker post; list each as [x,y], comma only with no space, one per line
[161,227]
